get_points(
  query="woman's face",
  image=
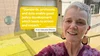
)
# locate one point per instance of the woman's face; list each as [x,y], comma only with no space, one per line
[75,24]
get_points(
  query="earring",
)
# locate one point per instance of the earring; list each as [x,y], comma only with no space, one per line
[62,36]
[85,40]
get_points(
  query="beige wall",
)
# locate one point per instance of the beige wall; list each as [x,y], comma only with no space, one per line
[95,20]
[95,41]
[7,8]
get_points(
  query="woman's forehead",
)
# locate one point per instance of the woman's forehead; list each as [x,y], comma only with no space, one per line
[72,12]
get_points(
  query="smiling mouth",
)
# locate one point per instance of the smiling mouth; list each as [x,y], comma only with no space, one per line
[72,33]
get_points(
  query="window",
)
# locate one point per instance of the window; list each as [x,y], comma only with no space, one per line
[8,20]
[94,8]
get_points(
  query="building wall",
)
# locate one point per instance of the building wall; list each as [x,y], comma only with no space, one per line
[7,8]
[95,26]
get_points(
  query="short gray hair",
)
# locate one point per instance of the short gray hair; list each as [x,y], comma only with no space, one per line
[81,6]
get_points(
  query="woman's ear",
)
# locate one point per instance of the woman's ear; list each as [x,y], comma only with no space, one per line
[88,29]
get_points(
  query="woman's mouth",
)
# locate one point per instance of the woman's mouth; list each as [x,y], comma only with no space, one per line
[72,33]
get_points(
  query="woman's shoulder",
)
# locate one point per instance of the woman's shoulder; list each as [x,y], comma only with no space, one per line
[55,49]
[58,48]
[89,51]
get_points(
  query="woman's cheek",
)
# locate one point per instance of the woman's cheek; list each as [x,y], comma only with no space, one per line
[82,31]
[65,29]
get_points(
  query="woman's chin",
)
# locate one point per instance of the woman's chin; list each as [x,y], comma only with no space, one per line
[72,39]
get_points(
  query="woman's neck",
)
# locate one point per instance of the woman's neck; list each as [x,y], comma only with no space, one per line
[73,48]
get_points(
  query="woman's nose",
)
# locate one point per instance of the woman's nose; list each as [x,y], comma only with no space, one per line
[73,25]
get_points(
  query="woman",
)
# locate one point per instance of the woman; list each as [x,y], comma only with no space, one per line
[76,23]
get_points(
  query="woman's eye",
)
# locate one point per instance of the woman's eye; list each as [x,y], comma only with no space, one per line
[80,23]
[68,21]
